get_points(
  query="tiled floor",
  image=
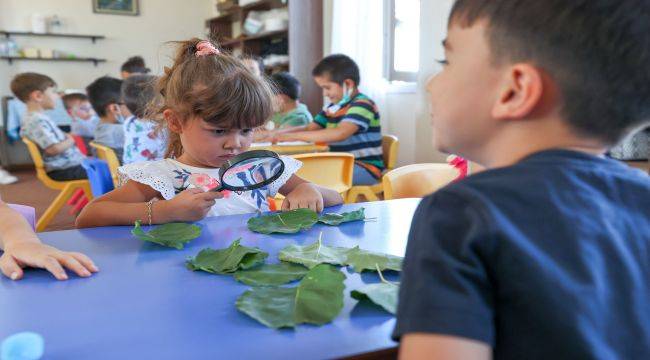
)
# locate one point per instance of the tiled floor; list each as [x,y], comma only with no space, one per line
[29,191]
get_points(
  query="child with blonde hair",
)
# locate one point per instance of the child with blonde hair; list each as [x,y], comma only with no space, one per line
[210,104]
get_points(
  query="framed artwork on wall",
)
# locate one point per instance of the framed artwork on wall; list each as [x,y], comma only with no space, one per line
[116,7]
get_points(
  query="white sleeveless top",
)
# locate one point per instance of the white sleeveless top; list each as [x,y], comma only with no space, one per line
[170,177]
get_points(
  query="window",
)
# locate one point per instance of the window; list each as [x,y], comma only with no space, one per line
[402,39]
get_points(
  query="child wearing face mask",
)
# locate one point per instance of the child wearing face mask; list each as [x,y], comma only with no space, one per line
[61,157]
[105,96]
[350,123]
[84,118]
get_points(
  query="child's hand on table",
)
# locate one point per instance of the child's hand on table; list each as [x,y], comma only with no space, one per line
[190,205]
[305,195]
[35,254]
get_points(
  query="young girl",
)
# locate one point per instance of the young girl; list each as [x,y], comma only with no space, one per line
[210,104]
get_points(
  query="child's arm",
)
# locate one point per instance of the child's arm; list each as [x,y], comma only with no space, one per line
[128,203]
[300,193]
[22,248]
[433,346]
[60,147]
[343,131]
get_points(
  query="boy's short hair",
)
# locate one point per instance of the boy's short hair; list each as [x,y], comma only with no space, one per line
[103,92]
[137,92]
[22,85]
[135,65]
[69,98]
[597,52]
[338,68]
[287,84]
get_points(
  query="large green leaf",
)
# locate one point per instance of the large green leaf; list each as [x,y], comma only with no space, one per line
[271,274]
[228,260]
[361,260]
[317,299]
[337,219]
[289,222]
[314,254]
[174,235]
[384,294]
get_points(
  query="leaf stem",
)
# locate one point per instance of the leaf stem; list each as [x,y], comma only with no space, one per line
[381,276]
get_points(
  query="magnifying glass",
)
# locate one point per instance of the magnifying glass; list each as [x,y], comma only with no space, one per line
[250,170]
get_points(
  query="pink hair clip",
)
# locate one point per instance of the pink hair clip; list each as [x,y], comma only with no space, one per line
[204,48]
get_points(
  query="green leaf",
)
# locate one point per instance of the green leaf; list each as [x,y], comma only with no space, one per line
[289,222]
[228,260]
[317,299]
[361,260]
[338,219]
[271,274]
[314,254]
[174,235]
[382,294]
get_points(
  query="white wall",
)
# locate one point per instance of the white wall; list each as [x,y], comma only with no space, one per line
[159,21]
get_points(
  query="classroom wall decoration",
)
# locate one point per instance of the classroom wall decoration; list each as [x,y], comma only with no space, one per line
[116,7]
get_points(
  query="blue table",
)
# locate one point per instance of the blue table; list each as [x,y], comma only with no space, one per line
[144,304]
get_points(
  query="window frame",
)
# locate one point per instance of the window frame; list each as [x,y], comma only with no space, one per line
[389,47]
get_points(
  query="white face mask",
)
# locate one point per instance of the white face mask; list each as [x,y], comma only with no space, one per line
[333,108]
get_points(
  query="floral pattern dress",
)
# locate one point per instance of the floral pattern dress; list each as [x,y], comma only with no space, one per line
[170,177]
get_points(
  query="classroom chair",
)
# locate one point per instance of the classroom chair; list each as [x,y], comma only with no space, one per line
[99,176]
[390,147]
[417,180]
[328,169]
[28,212]
[66,188]
[107,154]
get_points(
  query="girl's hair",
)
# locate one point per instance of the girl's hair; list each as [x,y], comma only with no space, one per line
[135,65]
[215,87]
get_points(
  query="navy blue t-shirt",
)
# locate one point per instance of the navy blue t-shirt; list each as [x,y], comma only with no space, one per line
[545,259]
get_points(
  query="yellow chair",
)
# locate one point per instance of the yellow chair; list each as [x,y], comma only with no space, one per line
[417,180]
[390,147]
[330,169]
[108,154]
[67,188]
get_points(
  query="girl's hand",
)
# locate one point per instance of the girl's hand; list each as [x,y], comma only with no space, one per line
[190,205]
[35,254]
[303,196]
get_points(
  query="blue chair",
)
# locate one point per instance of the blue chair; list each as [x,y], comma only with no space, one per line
[99,176]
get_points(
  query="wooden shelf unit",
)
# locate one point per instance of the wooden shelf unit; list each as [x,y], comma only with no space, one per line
[304,37]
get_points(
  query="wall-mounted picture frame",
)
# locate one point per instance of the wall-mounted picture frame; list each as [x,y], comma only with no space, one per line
[116,7]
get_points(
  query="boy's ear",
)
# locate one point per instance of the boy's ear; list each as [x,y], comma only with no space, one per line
[520,93]
[36,95]
[173,121]
[350,83]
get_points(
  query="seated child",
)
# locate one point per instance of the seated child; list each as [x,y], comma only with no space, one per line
[84,118]
[142,141]
[253,63]
[22,248]
[545,255]
[61,157]
[350,123]
[105,96]
[133,66]
[210,104]
[291,112]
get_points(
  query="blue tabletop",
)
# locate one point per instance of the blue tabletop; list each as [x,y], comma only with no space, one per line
[145,304]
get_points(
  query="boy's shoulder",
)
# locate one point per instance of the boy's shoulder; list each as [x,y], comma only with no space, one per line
[551,185]
[35,117]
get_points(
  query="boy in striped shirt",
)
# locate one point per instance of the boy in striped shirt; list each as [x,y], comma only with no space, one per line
[350,123]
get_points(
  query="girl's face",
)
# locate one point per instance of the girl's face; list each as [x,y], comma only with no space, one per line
[209,146]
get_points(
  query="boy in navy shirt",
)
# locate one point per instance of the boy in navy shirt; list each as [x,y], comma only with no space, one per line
[547,254]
